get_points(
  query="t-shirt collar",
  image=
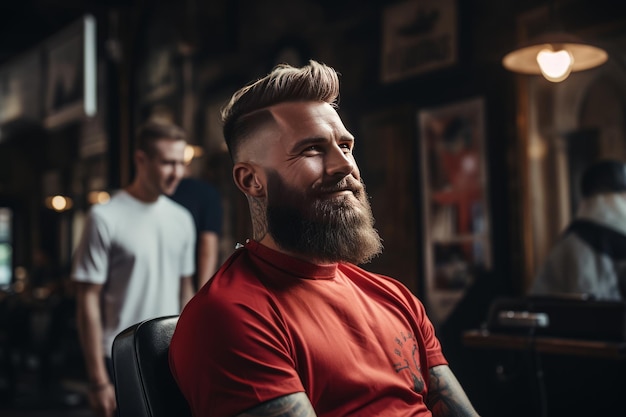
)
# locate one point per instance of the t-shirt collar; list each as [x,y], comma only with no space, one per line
[289,264]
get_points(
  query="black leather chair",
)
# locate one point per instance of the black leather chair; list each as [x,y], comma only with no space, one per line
[144,385]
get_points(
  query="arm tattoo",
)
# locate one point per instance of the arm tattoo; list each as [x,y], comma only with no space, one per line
[446,398]
[292,405]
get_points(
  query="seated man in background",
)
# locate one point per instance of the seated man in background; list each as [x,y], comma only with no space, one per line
[590,257]
[289,325]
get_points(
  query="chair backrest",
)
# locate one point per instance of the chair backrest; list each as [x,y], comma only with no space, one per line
[144,384]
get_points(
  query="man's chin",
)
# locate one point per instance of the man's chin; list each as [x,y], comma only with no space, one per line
[345,200]
[169,190]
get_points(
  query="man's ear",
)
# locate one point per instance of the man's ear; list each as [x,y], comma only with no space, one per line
[247,178]
[140,157]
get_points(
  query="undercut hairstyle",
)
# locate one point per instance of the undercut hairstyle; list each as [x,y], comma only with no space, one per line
[154,130]
[247,109]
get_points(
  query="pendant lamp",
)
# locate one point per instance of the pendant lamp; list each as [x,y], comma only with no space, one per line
[554,55]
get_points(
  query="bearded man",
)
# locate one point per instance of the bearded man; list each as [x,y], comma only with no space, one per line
[290,325]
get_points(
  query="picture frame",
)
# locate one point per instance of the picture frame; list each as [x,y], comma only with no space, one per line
[160,75]
[418,36]
[70,61]
[64,88]
[20,89]
[456,219]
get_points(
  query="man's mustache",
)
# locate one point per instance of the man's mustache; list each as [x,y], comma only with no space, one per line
[345,184]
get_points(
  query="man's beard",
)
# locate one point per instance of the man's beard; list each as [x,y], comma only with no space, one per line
[335,229]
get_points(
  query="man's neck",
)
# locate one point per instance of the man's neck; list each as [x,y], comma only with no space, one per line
[139,192]
[269,241]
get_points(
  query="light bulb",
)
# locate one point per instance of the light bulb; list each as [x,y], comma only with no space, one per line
[59,203]
[555,65]
[188,155]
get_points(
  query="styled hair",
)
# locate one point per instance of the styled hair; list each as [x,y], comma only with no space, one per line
[604,176]
[247,109]
[154,130]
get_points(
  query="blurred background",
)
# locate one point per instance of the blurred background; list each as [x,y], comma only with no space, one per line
[471,166]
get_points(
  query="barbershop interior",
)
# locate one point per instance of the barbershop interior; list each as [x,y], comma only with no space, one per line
[474,121]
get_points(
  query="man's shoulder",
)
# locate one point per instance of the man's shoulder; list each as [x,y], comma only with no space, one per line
[175,207]
[235,286]
[105,210]
[241,276]
[603,239]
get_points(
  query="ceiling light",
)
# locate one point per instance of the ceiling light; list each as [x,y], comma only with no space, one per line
[554,55]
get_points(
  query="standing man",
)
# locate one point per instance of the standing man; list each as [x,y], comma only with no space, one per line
[135,259]
[204,203]
[290,325]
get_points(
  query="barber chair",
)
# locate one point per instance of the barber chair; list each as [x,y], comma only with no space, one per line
[144,385]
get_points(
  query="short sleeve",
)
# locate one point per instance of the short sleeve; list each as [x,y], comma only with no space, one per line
[91,256]
[229,357]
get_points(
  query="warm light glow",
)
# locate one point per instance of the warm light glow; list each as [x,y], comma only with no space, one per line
[554,55]
[537,149]
[188,154]
[59,203]
[98,197]
[555,65]
[21,273]
[191,152]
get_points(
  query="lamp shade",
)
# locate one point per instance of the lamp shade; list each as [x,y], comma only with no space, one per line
[583,55]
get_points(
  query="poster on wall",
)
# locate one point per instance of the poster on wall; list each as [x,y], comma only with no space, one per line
[71,77]
[159,76]
[456,217]
[418,36]
[20,88]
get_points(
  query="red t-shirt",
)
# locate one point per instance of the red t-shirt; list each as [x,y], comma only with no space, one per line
[269,325]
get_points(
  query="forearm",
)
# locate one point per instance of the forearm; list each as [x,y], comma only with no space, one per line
[90,334]
[293,405]
[446,397]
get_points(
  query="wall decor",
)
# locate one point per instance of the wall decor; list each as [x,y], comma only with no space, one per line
[160,75]
[70,73]
[418,36]
[20,88]
[456,220]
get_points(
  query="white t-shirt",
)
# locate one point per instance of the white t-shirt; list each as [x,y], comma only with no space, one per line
[573,266]
[139,252]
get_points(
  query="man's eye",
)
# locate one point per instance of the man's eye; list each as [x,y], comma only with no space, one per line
[346,147]
[313,149]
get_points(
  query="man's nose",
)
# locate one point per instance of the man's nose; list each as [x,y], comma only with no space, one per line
[339,162]
[179,170]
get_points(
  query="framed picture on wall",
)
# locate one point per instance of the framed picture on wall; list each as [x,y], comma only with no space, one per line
[160,75]
[418,36]
[20,88]
[70,62]
[64,88]
[456,219]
